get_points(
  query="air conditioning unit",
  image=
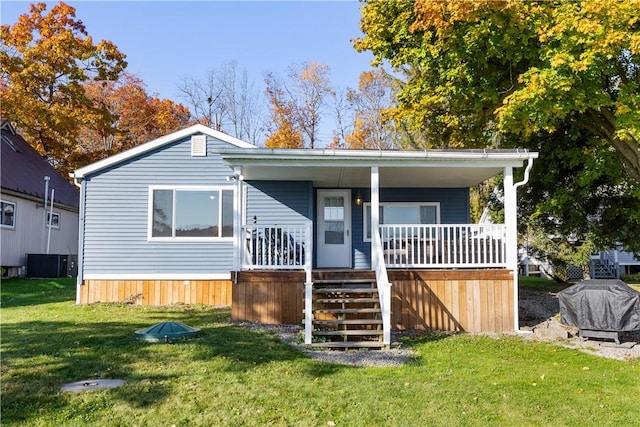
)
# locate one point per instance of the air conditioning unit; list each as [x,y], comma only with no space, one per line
[47,265]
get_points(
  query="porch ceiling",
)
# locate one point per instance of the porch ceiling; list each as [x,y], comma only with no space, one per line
[351,177]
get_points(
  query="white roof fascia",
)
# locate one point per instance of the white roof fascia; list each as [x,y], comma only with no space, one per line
[297,157]
[157,143]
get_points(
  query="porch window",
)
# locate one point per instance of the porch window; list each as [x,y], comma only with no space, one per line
[197,214]
[7,210]
[403,213]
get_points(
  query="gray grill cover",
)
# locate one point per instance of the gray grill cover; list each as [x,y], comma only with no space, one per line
[601,305]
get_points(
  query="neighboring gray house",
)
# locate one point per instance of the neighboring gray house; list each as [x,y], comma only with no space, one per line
[25,228]
[613,263]
[353,242]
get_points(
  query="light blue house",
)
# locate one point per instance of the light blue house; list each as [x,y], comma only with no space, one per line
[353,242]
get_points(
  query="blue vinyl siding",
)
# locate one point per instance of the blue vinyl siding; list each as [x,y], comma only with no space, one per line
[274,202]
[116,215]
[454,209]
[116,212]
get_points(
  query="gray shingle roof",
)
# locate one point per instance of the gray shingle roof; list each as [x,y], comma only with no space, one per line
[23,169]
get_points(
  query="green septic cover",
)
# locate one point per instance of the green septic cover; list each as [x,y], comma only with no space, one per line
[166,331]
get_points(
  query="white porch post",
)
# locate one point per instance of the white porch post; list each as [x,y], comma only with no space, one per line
[511,223]
[375,209]
[308,285]
[384,287]
[237,220]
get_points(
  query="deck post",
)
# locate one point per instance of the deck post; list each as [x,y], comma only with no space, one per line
[308,312]
[511,223]
[308,284]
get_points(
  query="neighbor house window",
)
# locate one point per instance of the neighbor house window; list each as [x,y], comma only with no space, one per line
[53,219]
[403,214]
[8,214]
[191,213]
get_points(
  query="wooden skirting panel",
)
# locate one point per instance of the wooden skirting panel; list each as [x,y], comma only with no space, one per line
[157,292]
[452,300]
[445,300]
[271,300]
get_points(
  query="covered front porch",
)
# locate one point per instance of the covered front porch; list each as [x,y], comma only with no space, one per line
[447,276]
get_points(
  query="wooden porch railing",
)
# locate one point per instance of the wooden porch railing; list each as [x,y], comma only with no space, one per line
[444,245]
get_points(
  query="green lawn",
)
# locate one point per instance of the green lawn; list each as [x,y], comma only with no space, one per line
[233,376]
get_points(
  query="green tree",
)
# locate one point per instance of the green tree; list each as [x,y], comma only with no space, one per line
[579,197]
[484,69]
[46,59]
[558,77]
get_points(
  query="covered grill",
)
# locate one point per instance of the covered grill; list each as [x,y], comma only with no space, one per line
[600,308]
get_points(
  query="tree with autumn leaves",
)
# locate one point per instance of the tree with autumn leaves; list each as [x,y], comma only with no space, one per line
[60,89]
[561,78]
[480,70]
[297,105]
[134,116]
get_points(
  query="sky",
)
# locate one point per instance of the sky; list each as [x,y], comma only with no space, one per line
[166,41]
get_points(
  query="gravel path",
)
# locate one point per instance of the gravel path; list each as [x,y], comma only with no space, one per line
[290,334]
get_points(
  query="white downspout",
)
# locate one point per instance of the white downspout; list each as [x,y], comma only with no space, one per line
[80,183]
[511,222]
[237,223]
[46,201]
[50,219]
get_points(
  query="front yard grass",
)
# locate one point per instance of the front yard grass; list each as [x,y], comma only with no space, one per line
[235,376]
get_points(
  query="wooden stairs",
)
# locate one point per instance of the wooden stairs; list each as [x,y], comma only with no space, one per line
[346,313]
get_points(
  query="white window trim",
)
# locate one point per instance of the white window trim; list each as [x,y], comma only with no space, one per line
[56,227]
[365,222]
[174,188]
[15,205]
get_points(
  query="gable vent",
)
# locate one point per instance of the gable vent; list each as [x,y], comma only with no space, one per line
[198,146]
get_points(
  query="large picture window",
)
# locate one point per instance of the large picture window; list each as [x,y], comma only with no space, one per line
[402,213]
[8,210]
[191,213]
